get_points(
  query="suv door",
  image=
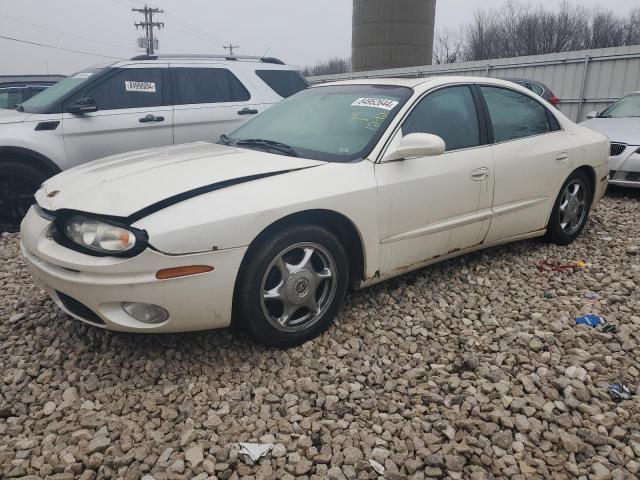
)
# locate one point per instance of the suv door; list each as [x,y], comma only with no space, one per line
[533,157]
[433,206]
[208,101]
[133,113]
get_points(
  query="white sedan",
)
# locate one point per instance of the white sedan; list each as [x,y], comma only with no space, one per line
[621,123]
[340,186]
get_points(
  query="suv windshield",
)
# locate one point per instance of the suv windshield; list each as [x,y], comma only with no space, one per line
[41,102]
[335,123]
[628,106]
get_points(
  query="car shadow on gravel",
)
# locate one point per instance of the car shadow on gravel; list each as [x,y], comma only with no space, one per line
[623,193]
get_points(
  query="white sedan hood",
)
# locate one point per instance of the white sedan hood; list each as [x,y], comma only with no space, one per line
[622,130]
[125,184]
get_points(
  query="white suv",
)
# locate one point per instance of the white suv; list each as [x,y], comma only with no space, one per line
[145,102]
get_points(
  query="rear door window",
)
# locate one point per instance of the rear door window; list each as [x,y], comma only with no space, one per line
[284,82]
[129,88]
[515,115]
[207,85]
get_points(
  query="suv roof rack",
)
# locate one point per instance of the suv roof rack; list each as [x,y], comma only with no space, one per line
[273,60]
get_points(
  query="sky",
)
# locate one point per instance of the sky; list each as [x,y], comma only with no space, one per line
[301,32]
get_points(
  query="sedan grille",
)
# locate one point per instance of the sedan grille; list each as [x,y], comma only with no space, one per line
[617,149]
[79,309]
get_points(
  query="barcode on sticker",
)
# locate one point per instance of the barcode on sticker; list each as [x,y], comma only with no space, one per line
[382,103]
[149,87]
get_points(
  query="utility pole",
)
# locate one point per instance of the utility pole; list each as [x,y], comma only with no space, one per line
[230,47]
[148,25]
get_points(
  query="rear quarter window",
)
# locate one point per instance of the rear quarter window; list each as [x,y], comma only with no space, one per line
[284,82]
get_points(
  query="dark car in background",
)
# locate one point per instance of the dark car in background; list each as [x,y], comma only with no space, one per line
[538,88]
[15,89]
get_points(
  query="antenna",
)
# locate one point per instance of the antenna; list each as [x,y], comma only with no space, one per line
[230,47]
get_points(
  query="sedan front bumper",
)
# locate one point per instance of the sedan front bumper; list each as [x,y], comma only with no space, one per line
[625,168]
[92,289]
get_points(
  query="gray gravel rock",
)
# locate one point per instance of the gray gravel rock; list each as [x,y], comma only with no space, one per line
[469,369]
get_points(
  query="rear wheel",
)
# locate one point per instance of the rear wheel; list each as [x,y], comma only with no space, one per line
[292,285]
[18,184]
[571,210]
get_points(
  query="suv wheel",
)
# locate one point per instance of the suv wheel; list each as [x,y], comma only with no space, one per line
[292,286]
[18,184]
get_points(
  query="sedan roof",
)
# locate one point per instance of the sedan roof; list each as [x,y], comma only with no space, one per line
[414,82]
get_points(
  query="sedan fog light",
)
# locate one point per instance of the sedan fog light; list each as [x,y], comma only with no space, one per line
[145,312]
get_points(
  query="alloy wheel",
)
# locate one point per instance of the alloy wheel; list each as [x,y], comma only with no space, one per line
[573,207]
[298,287]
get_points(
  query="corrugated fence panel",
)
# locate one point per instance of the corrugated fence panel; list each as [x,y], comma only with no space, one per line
[610,74]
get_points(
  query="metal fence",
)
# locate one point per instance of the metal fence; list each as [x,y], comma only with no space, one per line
[584,80]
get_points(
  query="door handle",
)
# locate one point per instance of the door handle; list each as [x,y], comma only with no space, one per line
[562,157]
[248,111]
[151,118]
[480,174]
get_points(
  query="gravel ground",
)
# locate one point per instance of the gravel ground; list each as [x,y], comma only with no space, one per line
[470,369]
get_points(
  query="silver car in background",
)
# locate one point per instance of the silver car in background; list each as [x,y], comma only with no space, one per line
[621,123]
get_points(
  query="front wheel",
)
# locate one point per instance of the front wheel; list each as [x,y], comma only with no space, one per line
[571,210]
[292,285]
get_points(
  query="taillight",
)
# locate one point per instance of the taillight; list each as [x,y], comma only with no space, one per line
[554,100]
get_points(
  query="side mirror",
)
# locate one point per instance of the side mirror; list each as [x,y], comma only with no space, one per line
[418,145]
[82,106]
[592,115]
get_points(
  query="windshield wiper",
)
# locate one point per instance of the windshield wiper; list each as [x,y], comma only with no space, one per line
[17,107]
[268,144]
[224,138]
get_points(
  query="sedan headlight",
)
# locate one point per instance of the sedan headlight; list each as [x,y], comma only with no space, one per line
[99,237]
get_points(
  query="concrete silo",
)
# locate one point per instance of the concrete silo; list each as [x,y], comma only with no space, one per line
[392,33]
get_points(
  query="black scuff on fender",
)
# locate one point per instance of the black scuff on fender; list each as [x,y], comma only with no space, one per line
[58,217]
[196,192]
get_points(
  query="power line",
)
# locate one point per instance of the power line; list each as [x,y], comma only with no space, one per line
[191,28]
[59,48]
[173,18]
[43,27]
[179,22]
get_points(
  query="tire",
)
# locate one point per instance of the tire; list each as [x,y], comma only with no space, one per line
[278,309]
[566,225]
[18,183]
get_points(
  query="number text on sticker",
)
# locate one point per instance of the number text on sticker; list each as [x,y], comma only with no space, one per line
[375,103]
[147,87]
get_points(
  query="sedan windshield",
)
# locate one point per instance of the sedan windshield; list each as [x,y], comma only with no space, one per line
[334,123]
[628,106]
[41,102]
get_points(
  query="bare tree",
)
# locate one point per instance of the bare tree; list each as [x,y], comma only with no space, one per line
[632,28]
[517,29]
[328,67]
[448,46]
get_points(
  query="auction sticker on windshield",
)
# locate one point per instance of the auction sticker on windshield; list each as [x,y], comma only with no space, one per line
[382,103]
[149,87]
